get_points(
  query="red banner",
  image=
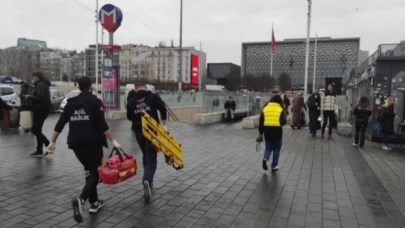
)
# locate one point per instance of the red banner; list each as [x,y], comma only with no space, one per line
[110,47]
[194,69]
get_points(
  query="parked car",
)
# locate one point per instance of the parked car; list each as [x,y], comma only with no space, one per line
[16,80]
[73,93]
[8,94]
[6,80]
[57,98]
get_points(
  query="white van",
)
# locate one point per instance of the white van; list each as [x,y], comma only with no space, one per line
[8,94]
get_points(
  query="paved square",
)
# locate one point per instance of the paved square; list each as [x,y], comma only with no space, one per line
[321,183]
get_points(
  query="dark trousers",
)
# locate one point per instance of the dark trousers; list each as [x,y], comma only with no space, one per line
[273,146]
[385,139]
[90,157]
[360,134]
[38,120]
[149,159]
[328,116]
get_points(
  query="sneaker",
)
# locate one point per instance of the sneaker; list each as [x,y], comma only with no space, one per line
[385,147]
[77,205]
[95,207]
[275,168]
[265,166]
[37,153]
[292,127]
[146,191]
[355,144]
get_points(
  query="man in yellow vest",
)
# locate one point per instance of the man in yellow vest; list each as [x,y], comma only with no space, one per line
[272,118]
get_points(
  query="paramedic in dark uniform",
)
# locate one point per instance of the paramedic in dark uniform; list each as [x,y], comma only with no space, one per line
[144,100]
[87,136]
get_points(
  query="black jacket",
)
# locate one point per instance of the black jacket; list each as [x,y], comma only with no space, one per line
[230,105]
[26,104]
[386,118]
[85,114]
[41,96]
[362,114]
[314,106]
[131,94]
[272,134]
[145,101]
[5,106]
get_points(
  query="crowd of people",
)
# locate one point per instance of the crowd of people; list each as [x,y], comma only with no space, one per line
[88,129]
[274,114]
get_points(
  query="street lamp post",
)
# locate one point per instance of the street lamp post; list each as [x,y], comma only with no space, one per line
[181,48]
[307,48]
[96,60]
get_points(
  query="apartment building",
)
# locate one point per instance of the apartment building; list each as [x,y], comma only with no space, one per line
[161,63]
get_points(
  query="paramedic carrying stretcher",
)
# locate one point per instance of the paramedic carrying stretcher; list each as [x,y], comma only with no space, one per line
[146,101]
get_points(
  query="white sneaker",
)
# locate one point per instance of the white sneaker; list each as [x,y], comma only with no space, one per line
[275,168]
[385,147]
[146,191]
[354,144]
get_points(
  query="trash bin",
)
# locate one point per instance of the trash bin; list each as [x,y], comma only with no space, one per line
[10,119]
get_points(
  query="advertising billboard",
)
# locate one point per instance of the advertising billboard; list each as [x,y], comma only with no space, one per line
[110,89]
[194,70]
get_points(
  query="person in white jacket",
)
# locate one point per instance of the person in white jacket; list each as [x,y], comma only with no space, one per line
[328,109]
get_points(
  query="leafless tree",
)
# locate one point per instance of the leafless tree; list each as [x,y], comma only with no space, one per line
[11,62]
[285,81]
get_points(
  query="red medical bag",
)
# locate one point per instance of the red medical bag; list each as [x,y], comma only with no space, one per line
[117,168]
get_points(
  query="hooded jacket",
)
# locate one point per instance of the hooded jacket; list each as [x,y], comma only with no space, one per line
[141,101]
[41,96]
[85,114]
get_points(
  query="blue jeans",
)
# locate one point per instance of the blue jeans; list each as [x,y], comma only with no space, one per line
[149,159]
[226,113]
[275,147]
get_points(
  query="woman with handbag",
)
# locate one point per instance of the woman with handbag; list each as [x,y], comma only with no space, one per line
[26,107]
[328,108]
[314,106]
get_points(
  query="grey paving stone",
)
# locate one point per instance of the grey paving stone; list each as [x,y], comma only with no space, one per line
[217,188]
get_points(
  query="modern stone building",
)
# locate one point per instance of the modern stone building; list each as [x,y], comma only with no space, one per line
[335,58]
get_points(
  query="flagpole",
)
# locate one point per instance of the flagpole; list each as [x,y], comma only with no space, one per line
[271,50]
[316,47]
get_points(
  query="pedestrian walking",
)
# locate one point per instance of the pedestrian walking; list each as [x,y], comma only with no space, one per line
[26,107]
[271,120]
[297,109]
[386,118]
[146,101]
[87,137]
[362,111]
[286,101]
[314,110]
[41,104]
[328,109]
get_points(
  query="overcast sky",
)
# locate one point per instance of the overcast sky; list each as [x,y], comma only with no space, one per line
[221,25]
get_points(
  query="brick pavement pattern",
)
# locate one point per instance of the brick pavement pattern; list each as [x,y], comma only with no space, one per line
[321,183]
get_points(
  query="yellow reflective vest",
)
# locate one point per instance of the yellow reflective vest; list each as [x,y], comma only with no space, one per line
[272,112]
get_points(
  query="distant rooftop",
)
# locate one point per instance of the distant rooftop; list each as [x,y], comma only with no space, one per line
[31,44]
